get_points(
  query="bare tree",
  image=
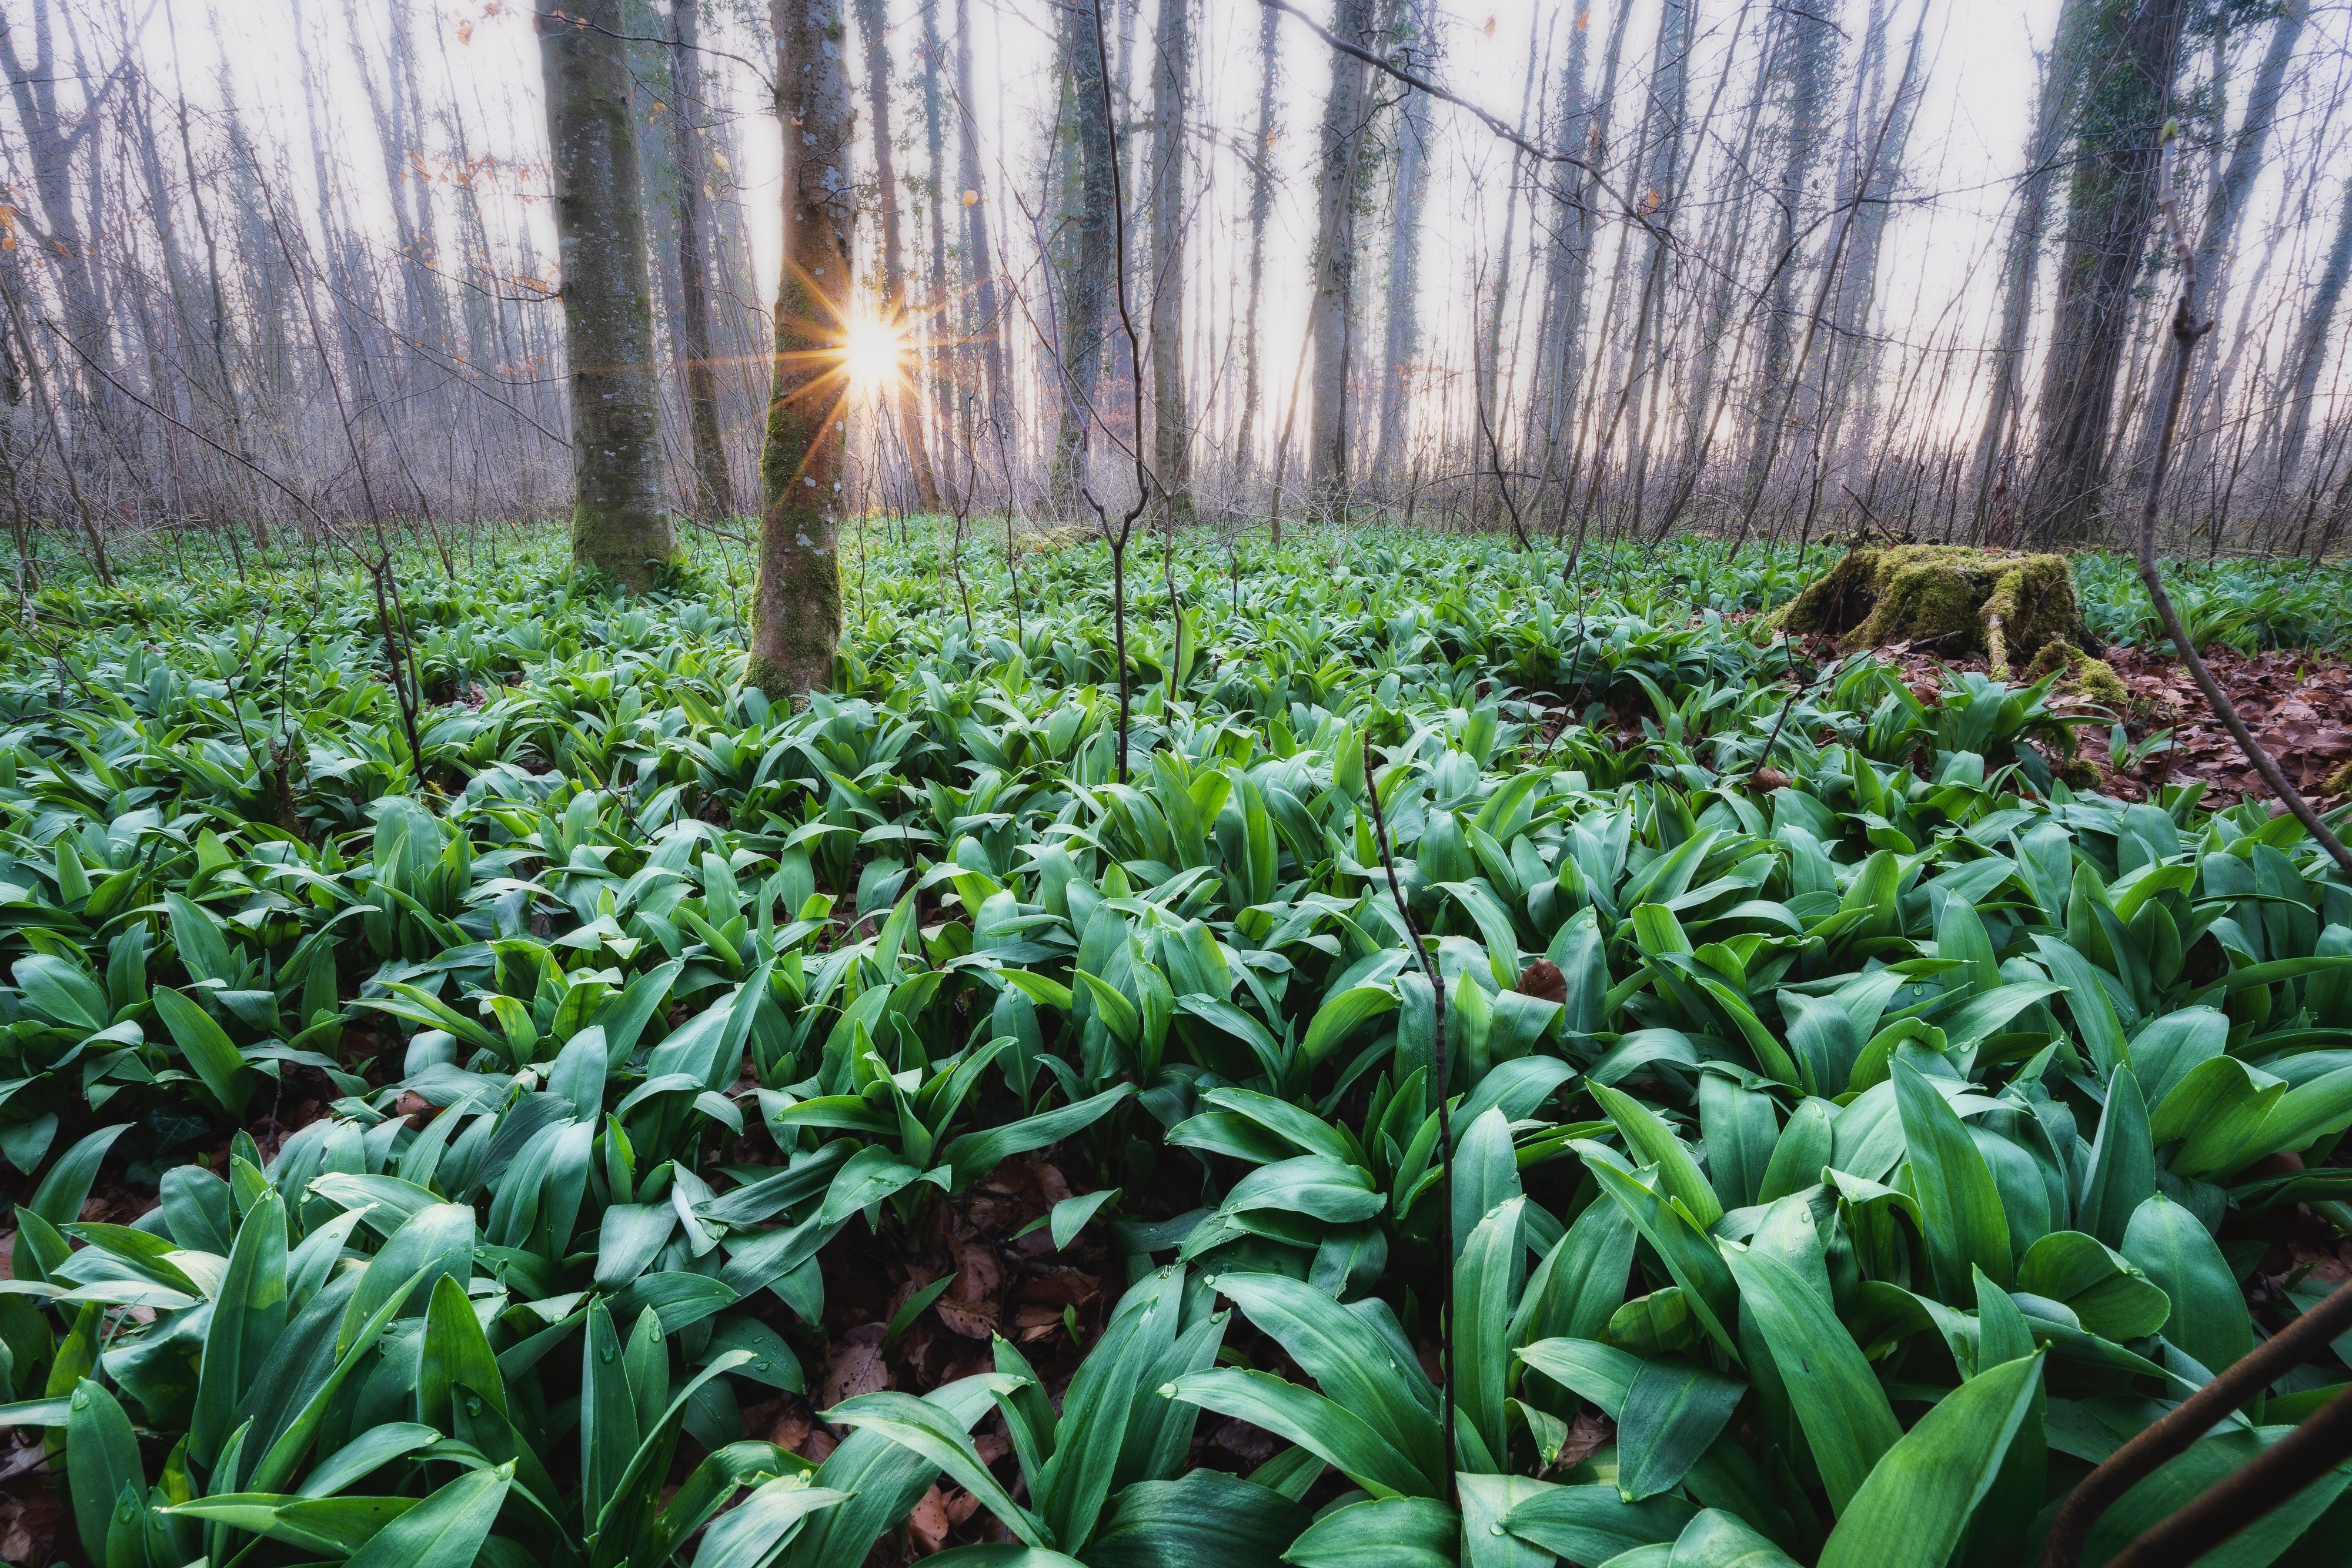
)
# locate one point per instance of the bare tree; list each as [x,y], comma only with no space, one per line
[796,617]
[618,523]
[1171,85]
[903,406]
[2110,202]
[1339,169]
[1085,296]
[716,489]
[1261,206]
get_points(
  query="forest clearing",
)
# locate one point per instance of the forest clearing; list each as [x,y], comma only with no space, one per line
[1037,784]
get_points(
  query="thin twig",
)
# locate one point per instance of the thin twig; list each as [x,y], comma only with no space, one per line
[1438,1071]
[2247,1493]
[1135,358]
[2186,331]
[2192,1419]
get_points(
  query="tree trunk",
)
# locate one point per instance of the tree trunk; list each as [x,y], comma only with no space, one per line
[1411,195]
[2225,209]
[714,487]
[618,523]
[900,390]
[1568,253]
[1171,85]
[2312,343]
[983,325]
[1806,45]
[1085,297]
[797,612]
[929,353]
[2053,111]
[2109,204]
[1261,206]
[1338,175]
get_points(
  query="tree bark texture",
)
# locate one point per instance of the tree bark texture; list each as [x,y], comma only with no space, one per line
[905,408]
[715,487]
[1339,178]
[2131,52]
[983,326]
[1261,206]
[2312,343]
[1409,197]
[618,523]
[1171,85]
[797,612]
[1085,291]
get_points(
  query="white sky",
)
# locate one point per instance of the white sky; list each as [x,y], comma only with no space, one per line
[1978,64]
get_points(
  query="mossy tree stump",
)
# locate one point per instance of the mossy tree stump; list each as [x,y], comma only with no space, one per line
[1954,599]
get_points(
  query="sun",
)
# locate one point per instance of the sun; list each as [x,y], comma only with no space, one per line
[873,353]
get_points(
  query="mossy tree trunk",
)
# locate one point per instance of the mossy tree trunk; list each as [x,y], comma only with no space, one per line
[619,525]
[1171,85]
[2109,204]
[797,610]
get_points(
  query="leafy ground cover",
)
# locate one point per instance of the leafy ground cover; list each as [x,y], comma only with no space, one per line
[642,1124]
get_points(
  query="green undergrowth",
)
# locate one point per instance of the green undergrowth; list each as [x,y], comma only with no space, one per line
[1855,1153]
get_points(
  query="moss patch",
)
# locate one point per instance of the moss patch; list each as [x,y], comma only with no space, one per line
[1951,597]
[2079,773]
[2084,676]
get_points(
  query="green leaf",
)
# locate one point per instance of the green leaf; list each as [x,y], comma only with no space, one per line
[1837,1397]
[248,1314]
[65,1187]
[1070,1217]
[751,1534]
[975,1154]
[208,1048]
[1341,1014]
[1390,1532]
[1960,1208]
[1593,1523]
[2122,1171]
[871,1175]
[1332,1432]
[1653,1143]
[882,1480]
[1672,1414]
[2209,1317]
[1351,1362]
[2113,1298]
[355,1460]
[60,992]
[1600,1373]
[276,1466]
[1486,1286]
[941,1440]
[101,1458]
[334,1526]
[1715,1539]
[1201,1517]
[1912,1510]
[447,1529]
[456,1354]
[1693,1257]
